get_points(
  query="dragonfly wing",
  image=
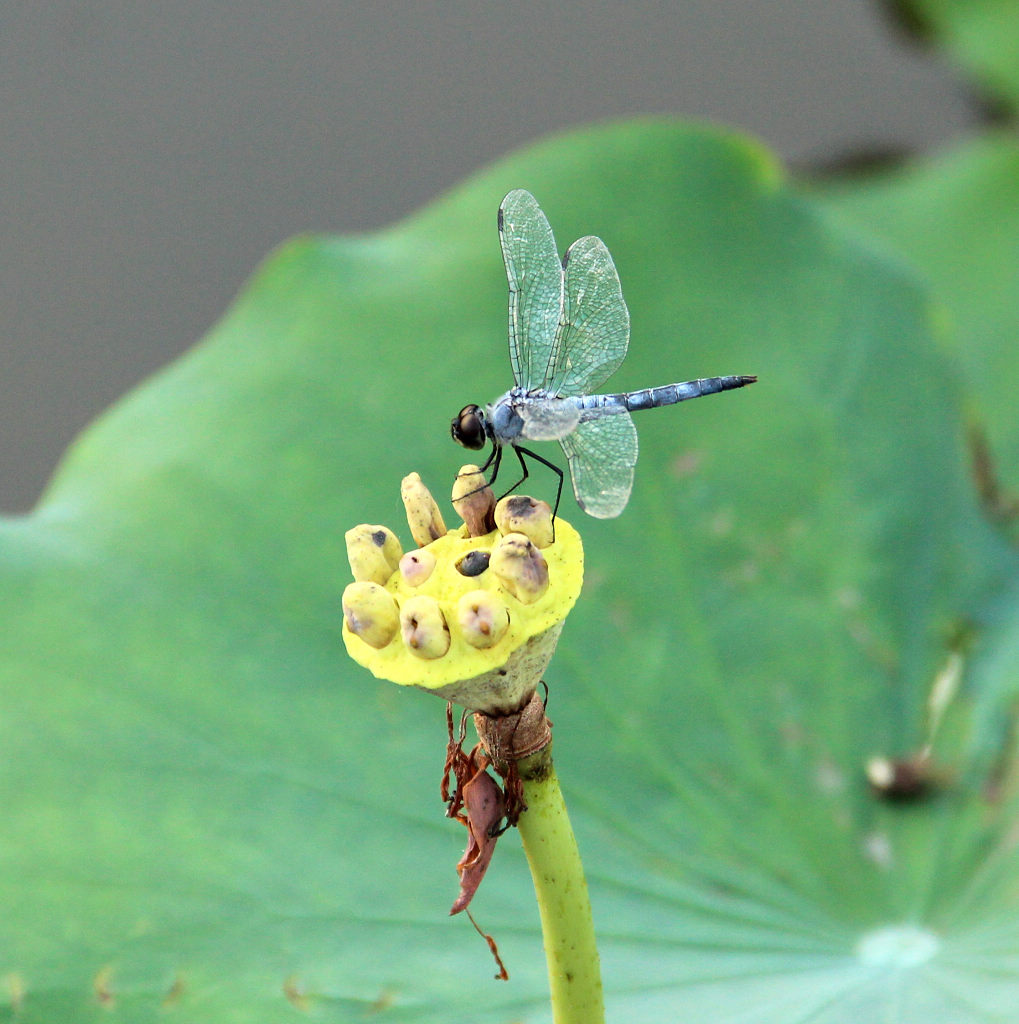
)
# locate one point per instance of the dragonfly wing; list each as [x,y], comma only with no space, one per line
[602,454]
[594,327]
[535,278]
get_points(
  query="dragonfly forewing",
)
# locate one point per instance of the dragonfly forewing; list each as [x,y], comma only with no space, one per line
[594,328]
[535,279]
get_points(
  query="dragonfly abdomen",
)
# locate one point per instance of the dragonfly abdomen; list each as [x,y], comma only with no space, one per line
[652,398]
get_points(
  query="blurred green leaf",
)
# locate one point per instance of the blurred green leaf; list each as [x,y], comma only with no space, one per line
[210,813]
[981,35]
[955,217]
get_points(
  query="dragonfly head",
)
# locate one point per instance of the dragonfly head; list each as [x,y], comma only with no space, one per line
[470,428]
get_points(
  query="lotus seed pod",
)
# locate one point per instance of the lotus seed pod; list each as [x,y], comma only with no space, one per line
[483,618]
[423,514]
[373,552]
[370,613]
[517,513]
[417,566]
[521,567]
[439,654]
[424,629]
[474,563]
[474,501]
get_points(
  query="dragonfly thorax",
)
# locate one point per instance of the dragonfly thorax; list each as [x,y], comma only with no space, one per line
[504,420]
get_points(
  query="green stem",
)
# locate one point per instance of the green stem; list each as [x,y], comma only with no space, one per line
[574,973]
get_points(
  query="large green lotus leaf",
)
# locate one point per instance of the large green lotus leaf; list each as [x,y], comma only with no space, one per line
[982,35]
[211,813]
[955,217]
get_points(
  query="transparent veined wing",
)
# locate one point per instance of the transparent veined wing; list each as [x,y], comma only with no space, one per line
[594,328]
[535,278]
[602,454]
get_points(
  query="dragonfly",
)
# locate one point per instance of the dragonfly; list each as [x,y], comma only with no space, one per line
[569,329]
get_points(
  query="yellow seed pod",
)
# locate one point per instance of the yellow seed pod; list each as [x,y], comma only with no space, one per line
[484,637]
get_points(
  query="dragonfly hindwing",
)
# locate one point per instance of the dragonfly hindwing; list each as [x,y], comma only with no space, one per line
[602,454]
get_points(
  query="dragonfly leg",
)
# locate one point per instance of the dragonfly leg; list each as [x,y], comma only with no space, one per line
[493,460]
[520,453]
[494,456]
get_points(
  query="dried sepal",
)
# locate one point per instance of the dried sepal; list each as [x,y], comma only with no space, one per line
[370,613]
[373,552]
[423,515]
[483,802]
[510,737]
[476,801]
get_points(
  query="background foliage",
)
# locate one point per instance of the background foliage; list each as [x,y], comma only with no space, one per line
[210,813]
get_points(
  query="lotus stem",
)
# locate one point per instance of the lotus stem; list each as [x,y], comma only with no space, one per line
[574,971]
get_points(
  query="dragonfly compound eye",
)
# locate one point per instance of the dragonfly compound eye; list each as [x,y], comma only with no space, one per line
[468,427]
